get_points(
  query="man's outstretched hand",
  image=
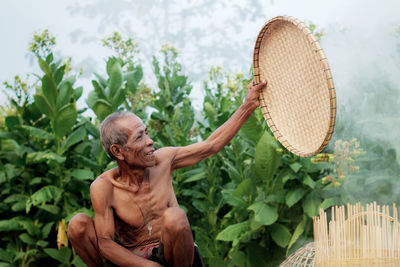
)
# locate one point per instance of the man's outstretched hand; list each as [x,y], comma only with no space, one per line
[253,92]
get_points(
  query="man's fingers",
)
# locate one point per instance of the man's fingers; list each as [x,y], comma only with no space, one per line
[261,85]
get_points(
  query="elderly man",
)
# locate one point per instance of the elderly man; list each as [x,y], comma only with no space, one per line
[136,200]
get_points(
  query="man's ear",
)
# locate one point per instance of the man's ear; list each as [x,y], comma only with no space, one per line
[116,150]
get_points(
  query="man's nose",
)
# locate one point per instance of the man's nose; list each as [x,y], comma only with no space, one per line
[150,141]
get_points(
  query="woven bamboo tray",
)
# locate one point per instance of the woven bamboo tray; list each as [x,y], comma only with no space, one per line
[299,102]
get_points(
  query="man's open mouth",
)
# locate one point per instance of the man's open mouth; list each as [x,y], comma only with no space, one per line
[150,153]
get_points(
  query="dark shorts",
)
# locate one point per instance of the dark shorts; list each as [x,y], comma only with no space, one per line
[157,255]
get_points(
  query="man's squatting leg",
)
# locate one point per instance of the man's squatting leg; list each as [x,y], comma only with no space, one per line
[82,235]
[177,238]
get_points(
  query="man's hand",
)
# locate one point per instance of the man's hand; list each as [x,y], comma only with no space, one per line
[253,93]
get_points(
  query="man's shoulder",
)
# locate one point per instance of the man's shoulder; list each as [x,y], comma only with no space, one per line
[101,185]
[165,154]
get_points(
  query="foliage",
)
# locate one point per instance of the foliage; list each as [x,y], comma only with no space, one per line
[249,205]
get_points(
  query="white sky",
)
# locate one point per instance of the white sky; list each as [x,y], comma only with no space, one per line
[19,19]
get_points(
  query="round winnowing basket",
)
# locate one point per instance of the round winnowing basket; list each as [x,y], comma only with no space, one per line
[299,101]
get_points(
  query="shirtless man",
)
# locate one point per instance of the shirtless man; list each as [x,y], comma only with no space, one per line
[136,200]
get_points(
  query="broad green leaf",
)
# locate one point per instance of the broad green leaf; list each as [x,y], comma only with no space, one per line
[82,174]
[75,137]
[98,88]
[233,200]
[91,99]
[233,171]
[287,175]
[243,189]
[102,109]
[38,133]
[27,239]
[30,227]
[10,225]
[275,198]
[78,92]
[49,90]
[297,232]
[280,234]
[110,63]
[307,180]
[65,119]
[266,158]
[6,135]
[193,193]
[45,67]
[44,194]
[14,198]
[42,243]
[50,58]
[101,80]
[11,121]
[9,145]
[93,130]
[195,177]
[118,98]
[46,230]
[5,264]
[329,202]
[209,110]
[63,255]
[41,156]
[264,213]
[78,262]
[133,78]
[233,231]
[254,225]
[43,105]
[12,171]
[2,177]
[53,209]
[293,196]
[238,258]
[116,79]
[311,206]
[138,74]
[65,95]
[19,206]
[59,74]
[5,256]
[252,129]
[295,166]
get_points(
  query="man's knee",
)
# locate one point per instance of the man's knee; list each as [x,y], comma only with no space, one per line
[175,220]
[79,226]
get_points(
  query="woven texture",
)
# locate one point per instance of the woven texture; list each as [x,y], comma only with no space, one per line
[303,257]
[358,236]
[299,102]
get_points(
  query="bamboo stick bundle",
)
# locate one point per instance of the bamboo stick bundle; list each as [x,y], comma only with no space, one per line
[357,236]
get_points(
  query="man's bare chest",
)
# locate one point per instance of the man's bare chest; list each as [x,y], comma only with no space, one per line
[145,206]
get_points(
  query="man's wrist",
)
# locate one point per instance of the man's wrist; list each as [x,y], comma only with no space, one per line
[249,105]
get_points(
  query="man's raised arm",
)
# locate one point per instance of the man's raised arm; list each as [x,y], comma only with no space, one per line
[191,154]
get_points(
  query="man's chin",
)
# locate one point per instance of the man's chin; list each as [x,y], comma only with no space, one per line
[151,163]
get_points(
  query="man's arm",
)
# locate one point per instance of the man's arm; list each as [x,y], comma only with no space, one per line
[101,194]
[191,154]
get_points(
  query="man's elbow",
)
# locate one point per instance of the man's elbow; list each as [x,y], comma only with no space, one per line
[105,245]
[212,148]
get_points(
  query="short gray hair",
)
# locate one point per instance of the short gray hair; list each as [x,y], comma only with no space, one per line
[112,133]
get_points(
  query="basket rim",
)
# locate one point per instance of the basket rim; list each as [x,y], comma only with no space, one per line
[328,76]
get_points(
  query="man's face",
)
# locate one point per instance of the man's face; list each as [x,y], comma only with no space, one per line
[138,150]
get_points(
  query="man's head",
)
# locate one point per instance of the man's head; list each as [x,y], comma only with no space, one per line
[124,137]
